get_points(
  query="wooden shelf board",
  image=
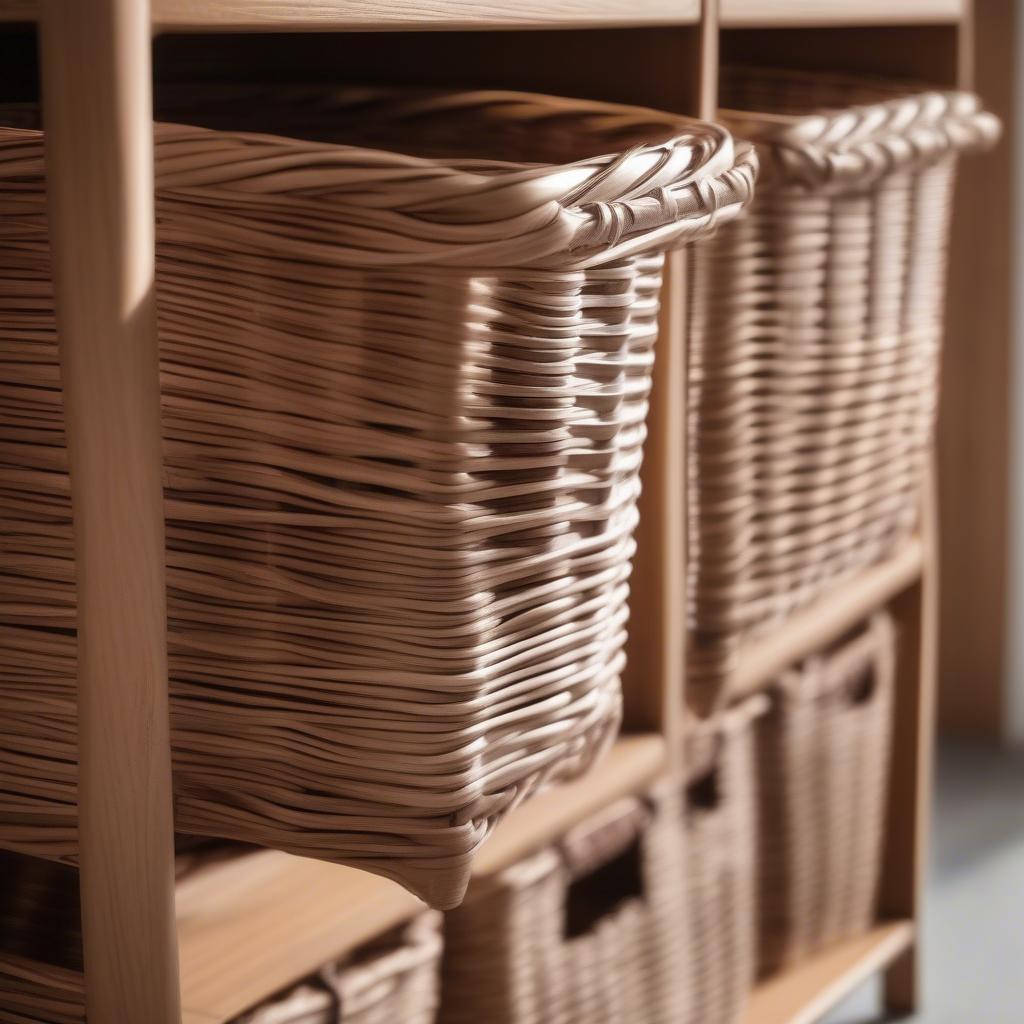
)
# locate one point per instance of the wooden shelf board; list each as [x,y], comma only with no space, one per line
[806,993]
[825,620]
[820,13]
[396,15]
[633,763]
[251,925]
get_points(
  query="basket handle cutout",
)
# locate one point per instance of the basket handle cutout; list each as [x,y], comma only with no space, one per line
[593,897]
[705,792]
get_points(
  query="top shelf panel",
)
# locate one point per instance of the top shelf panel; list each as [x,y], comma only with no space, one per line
[396,15]
[399,15]
[824,13]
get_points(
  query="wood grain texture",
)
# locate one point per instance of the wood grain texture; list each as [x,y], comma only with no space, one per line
[908,818]
[336,15]
[652,682]
[251,925]
[806,993]
[765,14]
[96,91]
[975,419]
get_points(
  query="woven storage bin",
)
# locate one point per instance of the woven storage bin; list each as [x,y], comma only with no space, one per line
[720,816]
[391,981]
[815,337]
[403,408]
[823,769]
[588,931]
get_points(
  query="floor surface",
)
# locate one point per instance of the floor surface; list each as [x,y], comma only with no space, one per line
[974,925]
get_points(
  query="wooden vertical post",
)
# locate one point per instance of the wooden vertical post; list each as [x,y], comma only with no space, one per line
[654,678]
[905,857]
[97,94]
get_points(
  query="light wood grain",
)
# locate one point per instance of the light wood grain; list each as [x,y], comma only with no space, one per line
[908,822]
[99,154]
[765,13]
[824,621]
[653,679]
[247,927]
[806,993]
[252,925]
[336,15]
[632,764]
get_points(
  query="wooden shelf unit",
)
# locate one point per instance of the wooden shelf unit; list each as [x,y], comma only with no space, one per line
[243,934]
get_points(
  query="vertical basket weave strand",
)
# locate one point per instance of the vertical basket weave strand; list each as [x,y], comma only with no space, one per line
[720,826]
[815,342]
[823,759]
[403,407]
[513,954]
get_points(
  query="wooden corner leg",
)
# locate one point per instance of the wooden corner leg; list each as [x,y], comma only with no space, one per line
[98,112]
[901,982]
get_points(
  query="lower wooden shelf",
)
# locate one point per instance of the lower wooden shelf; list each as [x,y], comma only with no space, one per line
[249,926]
[806,993]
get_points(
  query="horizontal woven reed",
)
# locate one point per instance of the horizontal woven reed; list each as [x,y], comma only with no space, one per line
[720,823]
[403,406]
[815,342]
[823,757]
[393,980]
[588,931]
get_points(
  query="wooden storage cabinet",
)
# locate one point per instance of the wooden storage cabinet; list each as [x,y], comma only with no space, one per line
[241,939]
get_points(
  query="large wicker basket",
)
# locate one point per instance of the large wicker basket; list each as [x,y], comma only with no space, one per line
[720,816]
[815,338]
[589,931]
[403,409]
[823,767]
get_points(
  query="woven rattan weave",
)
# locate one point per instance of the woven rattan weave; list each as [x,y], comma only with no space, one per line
[815,337]
[391,981]
[403,409]
[589,931]
[823,759]
[720,816]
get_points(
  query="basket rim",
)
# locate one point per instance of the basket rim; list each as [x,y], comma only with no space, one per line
[650,197]
[889,125]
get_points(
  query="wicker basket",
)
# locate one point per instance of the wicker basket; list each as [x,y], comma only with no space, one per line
[815,337]
[403,408]
[589,931]
[823,769]
[720,816]
[391,981]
